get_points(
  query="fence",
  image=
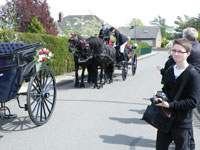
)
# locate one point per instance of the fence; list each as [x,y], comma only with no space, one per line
[145,50]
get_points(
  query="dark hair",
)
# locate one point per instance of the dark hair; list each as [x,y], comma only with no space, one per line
[112,28]
[183,42]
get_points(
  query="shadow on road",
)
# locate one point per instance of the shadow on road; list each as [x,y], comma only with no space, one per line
[138,111]
[128,140]
[17,124]
[133,142]
[100,101]
[70,85]
[128,120]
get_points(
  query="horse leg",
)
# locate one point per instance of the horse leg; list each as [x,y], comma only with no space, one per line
[94,75]
[106,74]
[111,71]
[101,76]
[76,85]
[89,68]
[82,78]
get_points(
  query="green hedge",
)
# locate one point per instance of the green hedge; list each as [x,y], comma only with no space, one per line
[140,46]
[62,60]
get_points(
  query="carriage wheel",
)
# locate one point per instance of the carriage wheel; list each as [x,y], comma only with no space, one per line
[124,70]
[134,64]
[41,96]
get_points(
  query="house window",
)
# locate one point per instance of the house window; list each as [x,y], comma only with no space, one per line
[146,31]
[149,42]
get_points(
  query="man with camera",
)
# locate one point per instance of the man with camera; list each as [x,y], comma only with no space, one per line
[186,102]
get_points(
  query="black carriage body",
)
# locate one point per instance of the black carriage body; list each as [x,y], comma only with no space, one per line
[16,64]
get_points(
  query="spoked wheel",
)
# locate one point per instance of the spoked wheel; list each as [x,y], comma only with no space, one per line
[41,96]
[134,64]
[124,70]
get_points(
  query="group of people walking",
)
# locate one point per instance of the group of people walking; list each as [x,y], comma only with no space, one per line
[184,60]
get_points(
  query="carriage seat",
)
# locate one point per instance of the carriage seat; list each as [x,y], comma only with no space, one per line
[7,57]
[10,48]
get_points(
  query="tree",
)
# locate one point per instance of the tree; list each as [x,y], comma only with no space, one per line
[90,27]
[7,16]
[36,27]
[198,22]
[70,27]
[183,23]
[87,27]
[25,10]
[138,22]
[162,23]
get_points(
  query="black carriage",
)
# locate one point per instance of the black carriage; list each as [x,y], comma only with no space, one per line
[18,64]
[129,58]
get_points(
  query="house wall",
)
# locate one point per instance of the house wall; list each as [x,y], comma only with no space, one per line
[158,40]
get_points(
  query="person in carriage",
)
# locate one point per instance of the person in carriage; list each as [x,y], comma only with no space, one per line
[121,41]
[104,33]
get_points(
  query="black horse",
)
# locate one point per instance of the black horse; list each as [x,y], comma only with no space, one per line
[104,56]
[82,57]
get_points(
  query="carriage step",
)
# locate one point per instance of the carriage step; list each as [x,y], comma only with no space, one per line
[10,116]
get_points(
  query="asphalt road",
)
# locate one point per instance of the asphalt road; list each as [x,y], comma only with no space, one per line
[91,119]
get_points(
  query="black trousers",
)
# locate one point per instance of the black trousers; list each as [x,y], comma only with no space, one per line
[191,138]
[181,138]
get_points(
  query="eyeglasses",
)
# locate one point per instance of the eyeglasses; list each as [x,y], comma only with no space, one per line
[178,51]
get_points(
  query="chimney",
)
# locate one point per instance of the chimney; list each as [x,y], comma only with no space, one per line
[61,16]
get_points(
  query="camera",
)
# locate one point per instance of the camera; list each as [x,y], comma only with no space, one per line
[159,94]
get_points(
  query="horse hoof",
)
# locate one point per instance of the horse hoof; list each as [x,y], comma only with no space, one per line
[76,85]
[82,86]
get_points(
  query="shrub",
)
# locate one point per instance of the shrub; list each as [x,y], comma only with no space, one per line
[164,42]
[36,27]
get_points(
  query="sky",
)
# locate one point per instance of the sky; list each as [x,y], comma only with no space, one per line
[121,12]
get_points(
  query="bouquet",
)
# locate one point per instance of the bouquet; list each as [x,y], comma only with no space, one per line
[42,55]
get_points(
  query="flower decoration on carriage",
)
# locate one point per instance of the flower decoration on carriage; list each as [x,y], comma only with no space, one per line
[44,54]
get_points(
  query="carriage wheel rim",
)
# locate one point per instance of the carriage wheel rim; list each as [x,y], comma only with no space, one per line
[41,96]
